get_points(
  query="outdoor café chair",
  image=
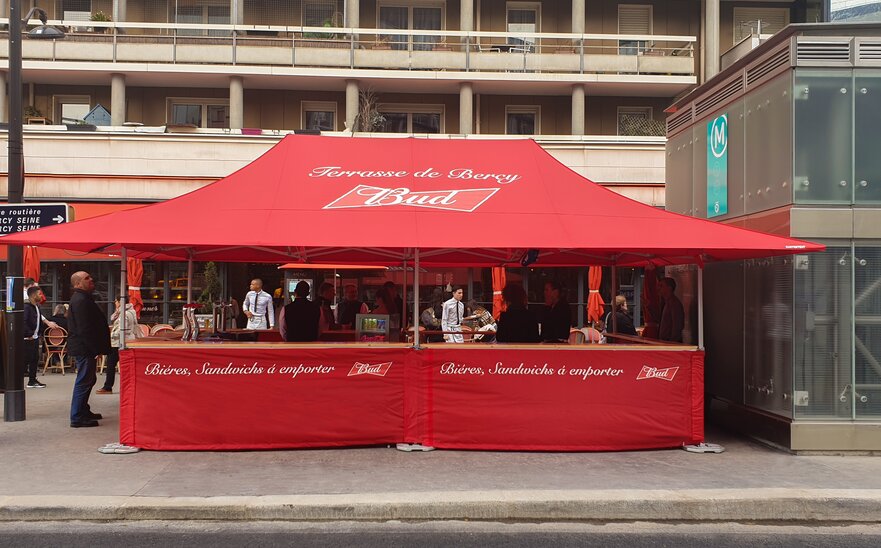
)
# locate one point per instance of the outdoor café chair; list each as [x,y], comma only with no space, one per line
[55,344]
[160,327]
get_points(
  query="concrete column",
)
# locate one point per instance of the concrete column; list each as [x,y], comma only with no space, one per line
[117,99]
[578,109]
[466,108]
[353,13]
[119,10]
[578,16]
[4,115]
[351,104]
[466,15]
[711,39]
[236,102]
[236,12]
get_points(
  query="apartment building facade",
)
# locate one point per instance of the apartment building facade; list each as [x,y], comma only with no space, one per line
[146,99]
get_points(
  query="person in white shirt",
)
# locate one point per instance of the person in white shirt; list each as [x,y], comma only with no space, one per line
[451,319]
[258,306]
[33,326]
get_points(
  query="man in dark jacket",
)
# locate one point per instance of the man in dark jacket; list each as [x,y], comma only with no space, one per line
[556,320]
[298,321]
[88,338]
[33,327]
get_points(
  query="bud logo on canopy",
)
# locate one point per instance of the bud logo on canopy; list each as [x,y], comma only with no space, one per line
[379,369]
[467,199]
[655,373]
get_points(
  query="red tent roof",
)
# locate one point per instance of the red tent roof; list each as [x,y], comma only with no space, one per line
[359,200]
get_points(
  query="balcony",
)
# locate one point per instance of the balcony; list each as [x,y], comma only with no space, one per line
[350,49]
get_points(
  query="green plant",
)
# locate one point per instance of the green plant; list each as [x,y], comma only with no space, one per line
[368,119]
[100,16]
[32,112]
[212,288]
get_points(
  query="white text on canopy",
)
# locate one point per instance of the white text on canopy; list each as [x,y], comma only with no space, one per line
[466,174]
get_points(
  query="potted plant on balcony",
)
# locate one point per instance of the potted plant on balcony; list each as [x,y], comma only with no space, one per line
[101,17]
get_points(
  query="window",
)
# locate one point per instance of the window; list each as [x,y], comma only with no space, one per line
[321,13]
[746,21]
[634,19]
[411,119]
[522,120]
[199,13]
[638,121]
[320,116]
[75,10]
[71,109]
[523,17]
[422,17]
[208,113]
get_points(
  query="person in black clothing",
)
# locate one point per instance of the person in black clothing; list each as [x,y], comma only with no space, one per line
[556,319]
[88,338]
[33,324]
[298,321]
[622,323]
[350,307]
[517,323]
[396,303]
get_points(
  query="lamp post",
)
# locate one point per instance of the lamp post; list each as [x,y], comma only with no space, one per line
[13,407]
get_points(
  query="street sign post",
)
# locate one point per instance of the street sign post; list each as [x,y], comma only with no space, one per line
[21,217]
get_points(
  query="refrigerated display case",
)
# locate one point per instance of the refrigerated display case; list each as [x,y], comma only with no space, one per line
[377,327]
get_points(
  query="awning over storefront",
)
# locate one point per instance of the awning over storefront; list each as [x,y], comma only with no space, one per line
[361,200]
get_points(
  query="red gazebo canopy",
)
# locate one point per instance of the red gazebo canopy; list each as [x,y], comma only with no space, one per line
[374,200]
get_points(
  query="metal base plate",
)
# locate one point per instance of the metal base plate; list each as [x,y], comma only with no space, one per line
[409,447]
[704,448]
[117,449]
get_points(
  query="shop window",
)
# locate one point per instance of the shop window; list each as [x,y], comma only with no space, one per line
[71,109]
[319,115]
[867,330]
[411,119]
[748,21]
[205,113]
[634,19]
[522,120]
[523,17]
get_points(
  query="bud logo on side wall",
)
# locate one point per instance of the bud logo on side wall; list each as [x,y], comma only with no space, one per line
[378,369]
[466,200]
[655,373]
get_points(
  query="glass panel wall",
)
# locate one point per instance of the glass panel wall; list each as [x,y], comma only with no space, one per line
[867,120]
[768,330]
[867,309]
[823,136]
[823,324]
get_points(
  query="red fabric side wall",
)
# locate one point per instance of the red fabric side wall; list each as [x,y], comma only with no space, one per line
[697,397]
[127,396]
[275,398]
[563,400]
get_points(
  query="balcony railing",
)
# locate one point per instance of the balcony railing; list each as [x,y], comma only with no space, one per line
[361,48]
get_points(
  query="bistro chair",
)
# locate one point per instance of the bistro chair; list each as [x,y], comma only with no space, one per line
[467,333]
[591,335]
[145,330]
[576,336]
[55,344]
[159,330]
[160,327]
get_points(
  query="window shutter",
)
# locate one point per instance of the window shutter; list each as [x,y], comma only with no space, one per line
[634,19]
[745,21]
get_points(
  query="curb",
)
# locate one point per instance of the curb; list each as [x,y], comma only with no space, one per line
[701,505]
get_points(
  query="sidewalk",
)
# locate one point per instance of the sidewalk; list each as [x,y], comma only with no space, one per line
[54,472]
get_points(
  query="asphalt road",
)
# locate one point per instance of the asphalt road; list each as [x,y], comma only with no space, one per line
[431,534]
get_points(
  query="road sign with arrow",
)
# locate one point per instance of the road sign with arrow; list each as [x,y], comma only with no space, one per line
[21,217]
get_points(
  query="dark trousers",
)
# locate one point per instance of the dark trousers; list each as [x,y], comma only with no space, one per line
[82,388]
[110,368]
[31,357]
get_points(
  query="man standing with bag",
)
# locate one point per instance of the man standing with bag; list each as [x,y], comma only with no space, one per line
[88,338]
